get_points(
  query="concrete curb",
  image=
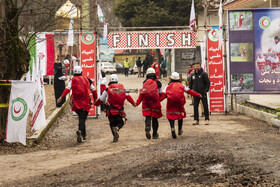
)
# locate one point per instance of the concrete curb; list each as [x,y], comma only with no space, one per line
[264,116]
[38,135]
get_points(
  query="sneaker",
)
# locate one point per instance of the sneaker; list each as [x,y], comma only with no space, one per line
[173,134]
[79,137]
[148,134]
[192,116]
[84,138]
[207,122]
[155,136]
[195,122]
[116,134]
[180,132]
[202,115]
[115,139]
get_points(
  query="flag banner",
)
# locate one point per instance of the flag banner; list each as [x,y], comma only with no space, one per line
[100,14]
[105,31]
[21,100]
[192,17]
[215,71]
[70,41]
[254,50]
[152,40]
[41,48]
[88,60]
[39,118]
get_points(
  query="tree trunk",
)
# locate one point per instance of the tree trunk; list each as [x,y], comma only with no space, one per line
[14,55]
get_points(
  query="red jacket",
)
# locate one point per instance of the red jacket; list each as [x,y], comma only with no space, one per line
[150,106]
[116,98]
[155,65]
[80,93]
[176,100]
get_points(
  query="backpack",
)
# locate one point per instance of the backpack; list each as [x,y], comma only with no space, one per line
[175,93]
[150,90]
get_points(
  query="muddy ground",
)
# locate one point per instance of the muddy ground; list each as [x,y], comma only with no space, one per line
[234,150]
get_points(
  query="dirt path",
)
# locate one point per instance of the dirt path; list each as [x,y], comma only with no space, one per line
[232,150]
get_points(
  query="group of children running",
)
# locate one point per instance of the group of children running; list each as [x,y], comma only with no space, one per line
[150,96]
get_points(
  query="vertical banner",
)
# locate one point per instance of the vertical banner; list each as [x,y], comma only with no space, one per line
[88,61]
[216,72]
[254,50]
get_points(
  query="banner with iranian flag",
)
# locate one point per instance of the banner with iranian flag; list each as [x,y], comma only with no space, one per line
[88,61]
[41,47]
[24,96]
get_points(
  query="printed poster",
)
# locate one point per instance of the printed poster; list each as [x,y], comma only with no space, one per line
[254,51]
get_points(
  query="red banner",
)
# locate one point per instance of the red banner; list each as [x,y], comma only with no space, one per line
[150,40]
[88,60]
[216,72]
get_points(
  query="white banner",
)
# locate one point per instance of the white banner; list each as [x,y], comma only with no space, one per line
[39,119]
[70,41]
[41,50]
[21,100]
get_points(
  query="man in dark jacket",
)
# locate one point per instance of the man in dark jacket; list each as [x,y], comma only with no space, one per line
[139,64]
[200,83]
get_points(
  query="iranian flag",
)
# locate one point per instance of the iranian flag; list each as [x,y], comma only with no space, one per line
[41,48]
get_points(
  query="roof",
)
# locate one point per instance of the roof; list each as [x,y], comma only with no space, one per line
[65,10]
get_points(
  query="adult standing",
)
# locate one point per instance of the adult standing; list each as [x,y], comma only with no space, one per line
[126,67]
[155,65]
[200,83]
[139,65]
[81,102]
[145,66]
[59,82]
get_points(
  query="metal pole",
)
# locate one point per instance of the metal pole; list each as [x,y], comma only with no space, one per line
[225,67]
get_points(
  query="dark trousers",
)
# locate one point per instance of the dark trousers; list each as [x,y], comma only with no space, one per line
[82,121]
[126,72]
[115,121]
[180,123]
[196,101]
[154,121]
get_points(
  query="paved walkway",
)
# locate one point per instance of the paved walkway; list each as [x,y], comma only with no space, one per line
[270,100]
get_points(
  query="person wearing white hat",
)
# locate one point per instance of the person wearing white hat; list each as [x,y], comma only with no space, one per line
[150,98]
[114,107]
[81,102]
[175,110]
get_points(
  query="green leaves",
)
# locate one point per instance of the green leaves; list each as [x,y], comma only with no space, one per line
[145,13]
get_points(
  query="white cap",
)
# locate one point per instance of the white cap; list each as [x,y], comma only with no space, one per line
[113,78]
[78,70]
[175,76]
[150,71]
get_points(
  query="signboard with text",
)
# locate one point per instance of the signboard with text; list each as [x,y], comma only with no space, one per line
[216,72]
[88,61]
[254,49]
[152,39]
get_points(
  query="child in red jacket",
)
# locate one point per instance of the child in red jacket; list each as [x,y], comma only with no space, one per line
[150,98]
[115,111]
[81,101]
[175,110]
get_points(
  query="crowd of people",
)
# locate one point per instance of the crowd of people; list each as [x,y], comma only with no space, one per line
[150,96]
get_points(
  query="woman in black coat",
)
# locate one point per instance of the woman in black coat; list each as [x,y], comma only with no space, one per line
[59,83]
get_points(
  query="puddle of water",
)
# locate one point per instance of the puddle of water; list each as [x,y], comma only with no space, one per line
[218,169]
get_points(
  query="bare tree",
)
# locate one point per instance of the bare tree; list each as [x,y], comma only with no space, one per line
[19,18]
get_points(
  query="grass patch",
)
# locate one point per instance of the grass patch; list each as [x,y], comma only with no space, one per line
[264,109]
